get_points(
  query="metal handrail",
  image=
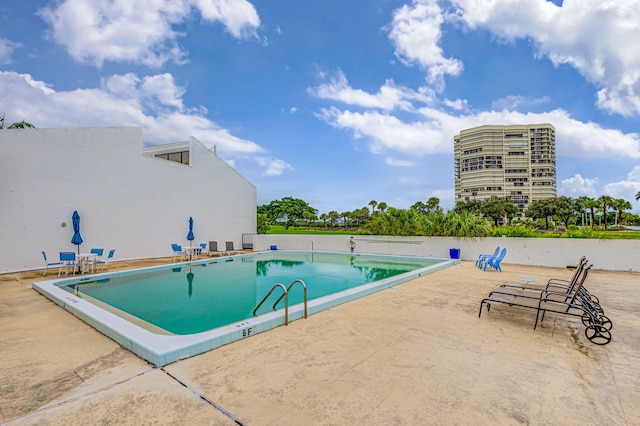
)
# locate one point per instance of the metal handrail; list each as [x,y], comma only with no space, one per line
[286,302]
[285,294]
[304,286]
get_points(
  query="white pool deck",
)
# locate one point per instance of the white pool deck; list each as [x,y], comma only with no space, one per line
[412,354]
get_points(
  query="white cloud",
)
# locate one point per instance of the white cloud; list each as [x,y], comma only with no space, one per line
[578,186]
[433,130]
[238,16]
[599,39]
[6,50]
[138,31]
[416,32]
[515,101]
[153,102]
[386,132]
[273,167]
[388,97]
[626,189]
[399,163]
[458,104]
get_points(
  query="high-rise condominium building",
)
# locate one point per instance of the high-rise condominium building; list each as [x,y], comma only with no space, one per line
[514,162]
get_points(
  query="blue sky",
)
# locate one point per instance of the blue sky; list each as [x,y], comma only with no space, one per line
[338,102]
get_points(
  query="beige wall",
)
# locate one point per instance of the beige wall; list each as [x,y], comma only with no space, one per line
[135,204]
[613,255]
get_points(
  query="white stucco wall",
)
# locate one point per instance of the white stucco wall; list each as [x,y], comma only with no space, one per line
[613,255]
[135,204]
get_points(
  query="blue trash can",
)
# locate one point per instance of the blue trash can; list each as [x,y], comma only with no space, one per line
[454,253]
[274,247]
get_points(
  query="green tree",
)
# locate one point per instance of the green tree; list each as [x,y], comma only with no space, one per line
[309,217]
[287,211]
[345,218]
[333,217]
[540,209]
[360,216]
[620,204]
[262,223]
[464,225]
[592,205]
[420,207]
[433,205]
[497,208]
[638,196]
[373,204]
[394,222]
[473,206]
[510,211]
[18,125]
[565,208]
[605,201]
[382,206]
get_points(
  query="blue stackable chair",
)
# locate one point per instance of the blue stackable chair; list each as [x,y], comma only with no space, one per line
[494,261]
[47,264]
[177,251]
[98,259]
[483,257]
[68,260]
[104,263]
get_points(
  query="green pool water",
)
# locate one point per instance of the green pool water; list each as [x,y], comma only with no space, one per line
[192,299]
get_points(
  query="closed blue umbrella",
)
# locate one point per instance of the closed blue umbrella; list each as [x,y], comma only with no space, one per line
[190,236]
[77,238]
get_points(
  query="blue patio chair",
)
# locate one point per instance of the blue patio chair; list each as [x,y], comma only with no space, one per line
[103,263]
[47,263]
[494,262]
[483,257]
[68,261]
[202,249]
[98,252]
[177,251]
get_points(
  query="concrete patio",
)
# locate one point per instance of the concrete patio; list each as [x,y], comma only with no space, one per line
[411,355]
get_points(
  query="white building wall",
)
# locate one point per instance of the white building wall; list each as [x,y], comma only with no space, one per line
[135,204]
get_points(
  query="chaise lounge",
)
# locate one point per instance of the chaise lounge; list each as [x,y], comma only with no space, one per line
[598,326]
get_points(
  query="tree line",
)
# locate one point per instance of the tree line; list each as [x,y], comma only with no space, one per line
[468,219]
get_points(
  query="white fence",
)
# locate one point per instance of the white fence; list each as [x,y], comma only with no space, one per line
[611,255]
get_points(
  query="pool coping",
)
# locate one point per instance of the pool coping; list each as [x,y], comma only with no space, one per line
[161,349]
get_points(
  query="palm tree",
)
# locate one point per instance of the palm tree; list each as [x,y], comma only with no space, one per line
[466,225]
[620,204]
[382,206]
[591,204]
[605,201]
[638,196]
[419,206]
[373,204]
[19,125]
[433,204]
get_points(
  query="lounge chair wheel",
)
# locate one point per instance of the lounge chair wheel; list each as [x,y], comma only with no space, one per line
[604,322]
[597,334]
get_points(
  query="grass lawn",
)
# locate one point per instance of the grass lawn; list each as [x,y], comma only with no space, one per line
[279,229]
[602,235]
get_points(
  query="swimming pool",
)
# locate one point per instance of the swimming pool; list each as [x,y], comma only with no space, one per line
[167,313]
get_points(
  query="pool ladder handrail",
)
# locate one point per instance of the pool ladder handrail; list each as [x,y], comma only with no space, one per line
[285,294]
